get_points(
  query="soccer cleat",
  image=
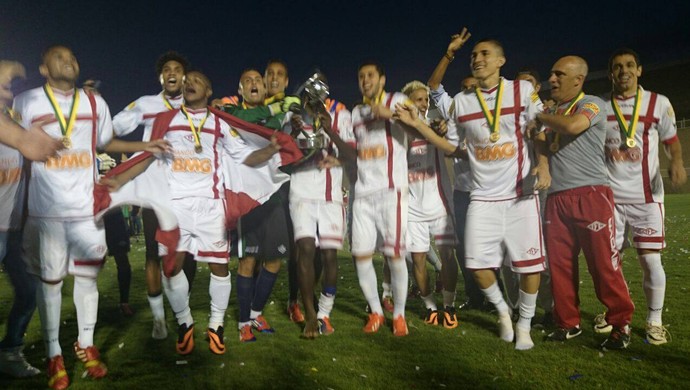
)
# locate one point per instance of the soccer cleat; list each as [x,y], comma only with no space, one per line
[431,317]
[216,343]
[160,329]
[562,334]
[656,333]
[126,310]
[91,359]
[57,376]
[618,339]
[374,323]
[450,318]
[13,363]
[325,327]
[246,334]
[523,340]
[259,323]
[295,313]
[600,324]
[185,339]
[400,326]
[388,304]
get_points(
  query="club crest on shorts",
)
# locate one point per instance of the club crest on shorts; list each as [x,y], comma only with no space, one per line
[596,226]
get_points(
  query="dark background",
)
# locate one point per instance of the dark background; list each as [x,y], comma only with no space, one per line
[118,42]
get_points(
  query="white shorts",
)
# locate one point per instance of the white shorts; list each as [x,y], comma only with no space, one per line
[54,248]
[645,222]
[321,220]
[505,231]
[419,232]
[379,220]
[202,228]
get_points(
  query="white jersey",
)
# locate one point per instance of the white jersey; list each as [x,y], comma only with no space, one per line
[308,181]
[62,187]
[461,168]
[381,149]
[430,188]
[143,111]
[634,173]
[191,173]
[500,170]
[11,184]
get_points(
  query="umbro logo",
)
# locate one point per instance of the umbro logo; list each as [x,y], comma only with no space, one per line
[532,251]
[189,138]
[596,226]
[282,249]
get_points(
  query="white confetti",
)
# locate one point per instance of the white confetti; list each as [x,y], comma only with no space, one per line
[272,302]
[463,332]
[601,354]
[242,364]
[416,368]
[442,385]
[363,376]
[181,362]
[333,359]
[84,374]
[121,345]
[222,365]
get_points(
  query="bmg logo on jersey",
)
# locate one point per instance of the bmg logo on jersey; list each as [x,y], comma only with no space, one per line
[495,152]
[9,176]
[70,160]
[191,165]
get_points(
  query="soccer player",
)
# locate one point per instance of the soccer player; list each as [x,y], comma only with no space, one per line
[637,121]
[579,208]
[380,207]
[12,182]
[171,68]
[61,235]
[430,213]
[503,215]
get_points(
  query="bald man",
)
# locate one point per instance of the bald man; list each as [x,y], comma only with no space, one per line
[579,208]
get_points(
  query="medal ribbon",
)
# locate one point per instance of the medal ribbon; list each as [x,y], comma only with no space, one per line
[492,119]
[196,132]
[374,102]
[65,126]
[630,128]
[571,105]
[167,103]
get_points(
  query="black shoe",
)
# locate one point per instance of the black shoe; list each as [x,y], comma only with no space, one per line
[618,339]
[562,334]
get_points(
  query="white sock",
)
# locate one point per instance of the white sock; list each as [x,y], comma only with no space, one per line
[325,305]
[219,289]
[177,290]
[367,282]
[386,289]
[493,294]
[157,308]
[241,325]
[654,285]
[49,302]
[527,304]
[86,301]
[433,259]
[429,302]
[399,280]
[448,298]
[253,314]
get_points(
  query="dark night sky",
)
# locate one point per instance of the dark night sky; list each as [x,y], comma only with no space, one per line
[118,42]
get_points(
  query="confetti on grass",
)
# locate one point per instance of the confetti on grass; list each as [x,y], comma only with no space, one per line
[181,362]
[121,345]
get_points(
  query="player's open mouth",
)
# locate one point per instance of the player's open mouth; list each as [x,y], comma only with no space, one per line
[254,91]
[172,81]
[190,90]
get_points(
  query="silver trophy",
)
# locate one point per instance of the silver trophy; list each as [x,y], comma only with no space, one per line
[313,94]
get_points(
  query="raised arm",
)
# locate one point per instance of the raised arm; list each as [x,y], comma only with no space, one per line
[456,42]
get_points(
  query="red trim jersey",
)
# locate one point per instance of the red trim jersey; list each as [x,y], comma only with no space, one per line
[62,187]
[500,170]
[308,181]
[142,112]
[193,173]
[634,172]
[429,181]
[381,149]
[11,180]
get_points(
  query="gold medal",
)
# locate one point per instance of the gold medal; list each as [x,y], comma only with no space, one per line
[554,147]
[631,143]
[66,125]
[198,148]
[67,142]
[196,132]
[494,137]
[493,120]
[628,128]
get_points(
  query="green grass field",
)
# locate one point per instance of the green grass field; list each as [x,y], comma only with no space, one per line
[430,357]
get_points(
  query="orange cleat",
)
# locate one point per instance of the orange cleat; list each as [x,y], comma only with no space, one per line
[91,359]
[400,326]
[374,323]
[185,339]
[57,375]
[215,340]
